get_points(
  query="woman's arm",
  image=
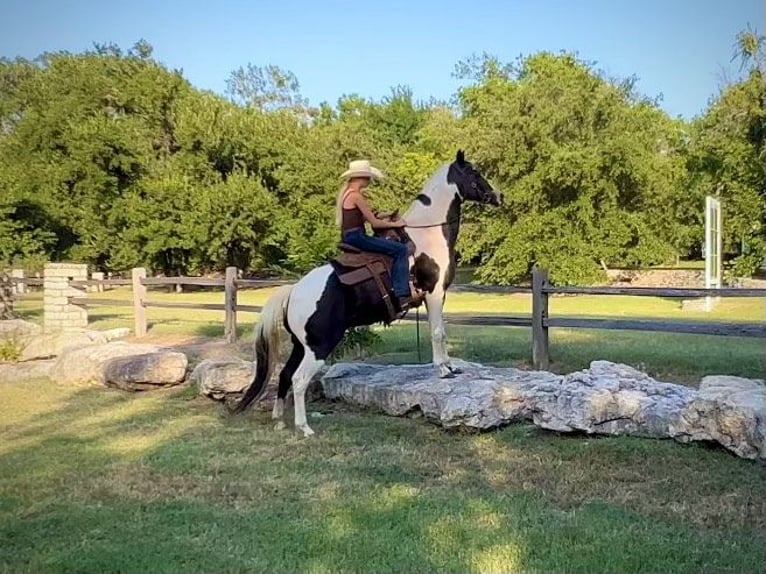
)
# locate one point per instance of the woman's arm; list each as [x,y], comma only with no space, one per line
[377,223]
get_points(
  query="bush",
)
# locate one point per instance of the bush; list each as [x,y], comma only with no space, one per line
[10,350]
[355,344]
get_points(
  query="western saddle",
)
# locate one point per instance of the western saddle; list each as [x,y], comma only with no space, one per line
[354,266]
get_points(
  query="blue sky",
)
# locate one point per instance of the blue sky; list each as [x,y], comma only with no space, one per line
[678,48]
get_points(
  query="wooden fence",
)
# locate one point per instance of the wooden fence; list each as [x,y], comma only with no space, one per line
[540,320]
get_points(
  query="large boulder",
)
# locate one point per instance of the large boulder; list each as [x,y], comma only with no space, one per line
[611,398]
[19,331]
[55,343]
[219,379]
[85,365]
[146,371]
[222,379]
[731,411]
[607,398]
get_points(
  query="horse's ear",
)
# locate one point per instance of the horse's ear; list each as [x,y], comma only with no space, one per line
[460,158]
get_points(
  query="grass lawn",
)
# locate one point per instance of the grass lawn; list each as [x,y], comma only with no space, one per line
[98,480]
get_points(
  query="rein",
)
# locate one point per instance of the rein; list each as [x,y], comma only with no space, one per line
[447,222]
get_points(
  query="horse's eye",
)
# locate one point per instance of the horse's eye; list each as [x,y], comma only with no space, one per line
[473,184]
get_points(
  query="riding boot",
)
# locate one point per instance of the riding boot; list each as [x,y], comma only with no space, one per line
[416,295]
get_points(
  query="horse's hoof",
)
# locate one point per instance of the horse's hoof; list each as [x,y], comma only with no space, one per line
[280,425]
[307,432]
[454,370]
[444,372]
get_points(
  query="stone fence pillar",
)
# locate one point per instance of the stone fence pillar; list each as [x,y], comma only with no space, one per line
[58,313]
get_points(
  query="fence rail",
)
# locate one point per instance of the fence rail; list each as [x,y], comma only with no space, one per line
[657,292]
[691,327]
[539,320]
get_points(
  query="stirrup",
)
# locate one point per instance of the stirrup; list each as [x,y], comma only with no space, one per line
[403,305]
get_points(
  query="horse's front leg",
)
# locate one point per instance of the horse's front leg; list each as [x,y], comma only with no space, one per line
[441,360]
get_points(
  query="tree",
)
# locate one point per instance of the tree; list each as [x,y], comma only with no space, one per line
[587,170]
[265,88]
[726,159]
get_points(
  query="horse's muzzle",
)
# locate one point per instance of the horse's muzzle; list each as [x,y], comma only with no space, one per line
[494,198]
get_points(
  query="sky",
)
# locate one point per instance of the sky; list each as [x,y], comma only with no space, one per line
[680,50]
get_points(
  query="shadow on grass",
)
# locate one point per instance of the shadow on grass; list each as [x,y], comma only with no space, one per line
[100,480]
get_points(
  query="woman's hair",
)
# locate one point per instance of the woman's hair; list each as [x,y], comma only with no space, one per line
[339,204]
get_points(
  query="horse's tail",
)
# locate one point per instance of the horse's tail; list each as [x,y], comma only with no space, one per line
[266,345]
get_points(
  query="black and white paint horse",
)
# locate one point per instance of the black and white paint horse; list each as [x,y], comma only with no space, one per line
[317,310]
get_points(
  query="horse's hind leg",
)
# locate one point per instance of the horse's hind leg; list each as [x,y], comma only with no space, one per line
[307,369]
[285,382]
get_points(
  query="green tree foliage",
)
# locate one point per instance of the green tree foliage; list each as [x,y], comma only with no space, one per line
[588,171]
[727,158]
[110,158]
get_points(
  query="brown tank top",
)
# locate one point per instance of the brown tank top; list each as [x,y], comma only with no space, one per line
[352,218]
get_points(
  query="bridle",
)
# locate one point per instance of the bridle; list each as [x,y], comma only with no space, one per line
[463,172]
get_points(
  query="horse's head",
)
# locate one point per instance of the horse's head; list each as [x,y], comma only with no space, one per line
[471,185]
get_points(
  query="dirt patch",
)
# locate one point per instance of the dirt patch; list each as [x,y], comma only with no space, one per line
[690,278]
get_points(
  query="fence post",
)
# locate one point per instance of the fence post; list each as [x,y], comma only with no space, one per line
[97,276]
[139,296]
[540,354]
[230,302]
[19,288]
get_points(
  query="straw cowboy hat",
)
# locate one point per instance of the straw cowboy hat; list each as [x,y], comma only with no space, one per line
[362,168]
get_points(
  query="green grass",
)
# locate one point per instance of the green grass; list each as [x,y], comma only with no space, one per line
[100,480]
[97,480]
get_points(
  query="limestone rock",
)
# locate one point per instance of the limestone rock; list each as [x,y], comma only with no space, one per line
[19,330]
[146,371]
[606,398]
[85,365]
[731,411]
[481,397]
[219,379]
[55,343]
[117,333]
[223,379]
[610,398]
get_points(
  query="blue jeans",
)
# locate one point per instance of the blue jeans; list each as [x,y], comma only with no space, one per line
[401,274]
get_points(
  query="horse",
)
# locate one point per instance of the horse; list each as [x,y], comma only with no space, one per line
[317,310]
